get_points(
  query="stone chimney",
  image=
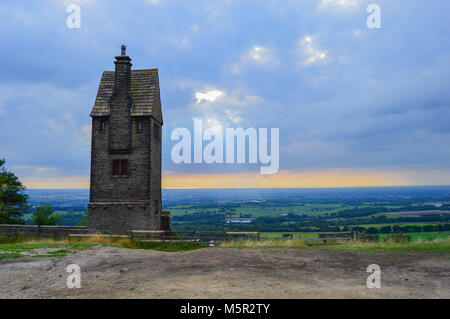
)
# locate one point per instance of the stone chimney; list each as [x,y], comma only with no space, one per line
[121,105]
[123,71]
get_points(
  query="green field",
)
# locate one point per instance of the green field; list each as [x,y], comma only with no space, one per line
[414,236]
[268,209]
[421,236]
[312,235]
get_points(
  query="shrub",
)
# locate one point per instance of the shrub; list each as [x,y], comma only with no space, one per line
[43,215]
[398,238]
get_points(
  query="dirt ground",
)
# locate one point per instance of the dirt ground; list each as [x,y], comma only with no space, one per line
[110,272]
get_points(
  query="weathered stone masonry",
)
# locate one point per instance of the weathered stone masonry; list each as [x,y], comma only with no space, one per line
[126,127]
[42,231]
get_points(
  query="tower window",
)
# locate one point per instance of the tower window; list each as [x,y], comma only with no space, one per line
[139,126]
[157,131]
[156,207]
[120,167]
[102,126]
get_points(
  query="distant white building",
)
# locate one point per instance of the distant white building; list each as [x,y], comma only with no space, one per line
[239,220]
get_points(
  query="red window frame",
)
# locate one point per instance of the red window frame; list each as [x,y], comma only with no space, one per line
[120,167]
[123,167]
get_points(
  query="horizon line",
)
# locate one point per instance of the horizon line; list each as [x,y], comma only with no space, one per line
[222,188]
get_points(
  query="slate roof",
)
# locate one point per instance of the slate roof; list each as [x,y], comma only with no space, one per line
[144,90]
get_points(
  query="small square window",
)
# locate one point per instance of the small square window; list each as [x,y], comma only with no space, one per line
[157,131]
[116,167]
[124,167]
[120,167]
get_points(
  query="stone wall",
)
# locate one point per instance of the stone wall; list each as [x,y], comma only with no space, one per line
[118,217]
[65,231]
[135,186]
[165,221]
[43,231]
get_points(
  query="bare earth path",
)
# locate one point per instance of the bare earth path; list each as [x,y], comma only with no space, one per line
[227,273]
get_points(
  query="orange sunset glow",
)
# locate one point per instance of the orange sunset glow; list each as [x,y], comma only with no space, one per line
[284,179]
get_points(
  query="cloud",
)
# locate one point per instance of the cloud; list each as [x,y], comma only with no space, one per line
[257,55]
[311,53]
[233,116]
[83,135]
[339,4]
[35,171]
[219,100]
[213,124]
[54,127]
[2,109]
[208,95]
[260,54]
[70,182]
[218,109]
[381,101]
[36,168]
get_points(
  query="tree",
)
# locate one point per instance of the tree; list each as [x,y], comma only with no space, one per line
[13,202]
[83,221]
[44,215]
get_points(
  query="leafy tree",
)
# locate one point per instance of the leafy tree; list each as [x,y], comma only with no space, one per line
[83,221]
[44,215]
[429,228]
[386,230]
[13,202]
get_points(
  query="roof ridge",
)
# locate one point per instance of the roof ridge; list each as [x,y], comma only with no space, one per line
[144,89]
[135,70]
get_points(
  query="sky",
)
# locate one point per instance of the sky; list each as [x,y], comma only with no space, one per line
[354,106]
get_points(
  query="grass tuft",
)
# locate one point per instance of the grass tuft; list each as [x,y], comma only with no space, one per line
[248,243]
[161,246]
[15,247]
[22,248]
[436,245]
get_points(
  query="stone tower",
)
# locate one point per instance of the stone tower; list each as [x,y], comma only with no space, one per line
[126,151]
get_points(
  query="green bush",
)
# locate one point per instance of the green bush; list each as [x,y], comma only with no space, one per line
[398,238]
[13,200]
[44,215]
